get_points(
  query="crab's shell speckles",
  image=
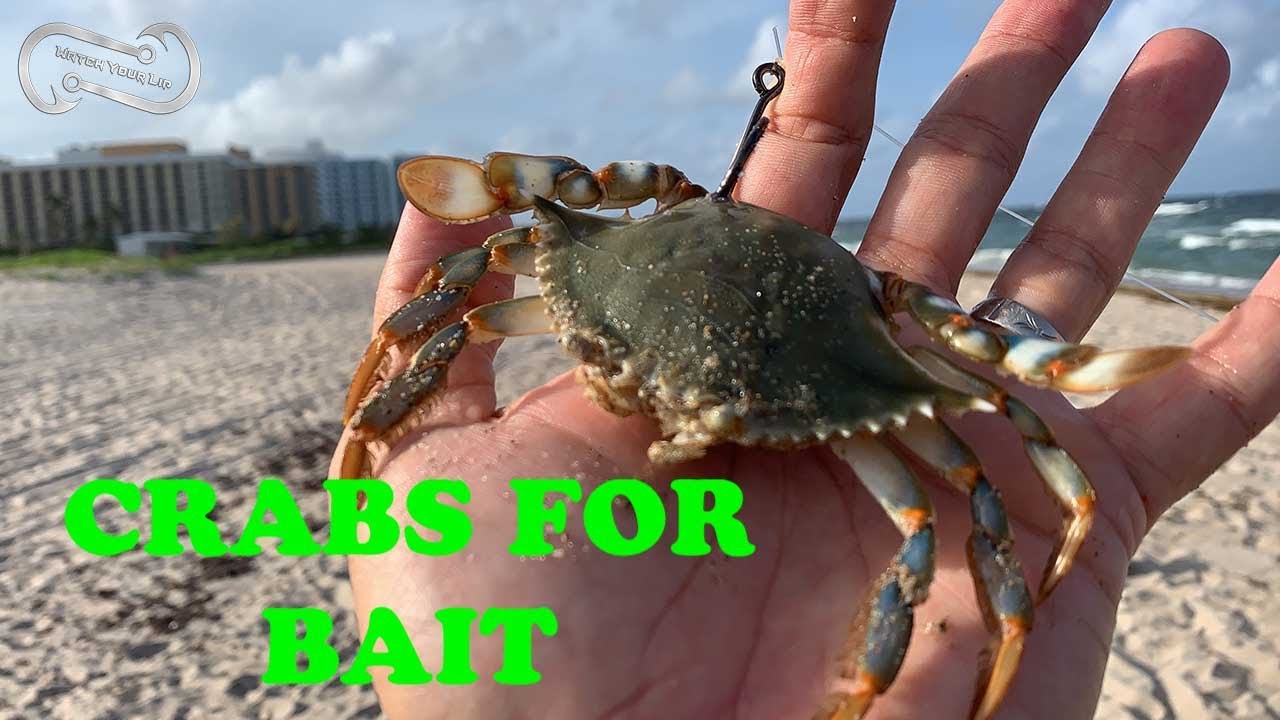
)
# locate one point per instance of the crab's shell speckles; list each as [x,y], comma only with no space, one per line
[725,322]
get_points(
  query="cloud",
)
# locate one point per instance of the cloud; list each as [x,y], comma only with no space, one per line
[1254,93]
[762,50]
[344,97]
[1260,99]
[689,88]
[371,85]
[124,15]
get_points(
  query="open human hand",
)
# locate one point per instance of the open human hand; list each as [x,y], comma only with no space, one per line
[658,635]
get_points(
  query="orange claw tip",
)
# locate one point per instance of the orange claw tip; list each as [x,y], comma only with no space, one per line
[1073,536]
[363,377]
[353,458]
[451,190]
[851,698]
[995,683]
[1115,369]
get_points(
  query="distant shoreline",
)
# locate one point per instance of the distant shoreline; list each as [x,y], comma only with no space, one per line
[1218,301]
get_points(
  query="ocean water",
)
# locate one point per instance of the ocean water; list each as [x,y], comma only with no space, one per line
[1218,245]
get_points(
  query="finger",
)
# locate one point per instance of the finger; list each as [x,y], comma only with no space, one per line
[1176,429]
[418,244]
[1070,264]
[820,124]
[962,158]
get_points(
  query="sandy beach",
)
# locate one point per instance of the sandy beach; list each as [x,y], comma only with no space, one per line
[238,373]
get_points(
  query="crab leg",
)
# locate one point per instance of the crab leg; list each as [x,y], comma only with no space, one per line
[1034,361]
[879,637]
[997,575]
[454,190]
[442,290]
[1062,477]
[425,377]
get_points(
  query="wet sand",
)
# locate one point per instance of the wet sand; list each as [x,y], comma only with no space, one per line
[238,373]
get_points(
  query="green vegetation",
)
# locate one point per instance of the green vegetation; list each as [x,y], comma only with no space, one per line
[282,248]
[51,263]
[232,247]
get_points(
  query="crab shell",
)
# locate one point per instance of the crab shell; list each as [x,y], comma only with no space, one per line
[726,322]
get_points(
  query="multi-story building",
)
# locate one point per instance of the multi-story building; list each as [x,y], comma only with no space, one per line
[354,193]
[398,199]
[277,197]
[350,193]
[90,195]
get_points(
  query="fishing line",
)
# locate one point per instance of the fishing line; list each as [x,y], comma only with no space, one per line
[1031,224]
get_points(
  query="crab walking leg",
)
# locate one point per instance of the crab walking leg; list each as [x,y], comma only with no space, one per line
[425,377]
[878,641]
[455,190]
[442,290]
[1034,361]
[1062,477]
[997,575]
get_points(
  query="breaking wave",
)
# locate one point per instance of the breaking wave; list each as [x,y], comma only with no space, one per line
[1253,226]
[1196,241]
[1181,208]
[1197,282]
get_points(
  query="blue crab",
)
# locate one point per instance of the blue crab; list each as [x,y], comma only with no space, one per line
[726,322]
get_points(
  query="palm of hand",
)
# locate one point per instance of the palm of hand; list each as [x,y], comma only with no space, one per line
[658,635]
[661,635]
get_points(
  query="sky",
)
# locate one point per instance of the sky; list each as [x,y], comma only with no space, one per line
[660,80]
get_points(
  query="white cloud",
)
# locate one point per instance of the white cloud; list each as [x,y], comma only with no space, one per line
[1237,24]
[344,97]
[1269,72]
[762,50]
[351,97]
[1133,23]
[687,87]
[1260,99]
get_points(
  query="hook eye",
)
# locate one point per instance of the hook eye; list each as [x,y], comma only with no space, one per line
[774,72]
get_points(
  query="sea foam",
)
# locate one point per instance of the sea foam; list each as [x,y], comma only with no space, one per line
[990,259]
[1193,281]
[1253,226]
[1196,241]
[1180,208]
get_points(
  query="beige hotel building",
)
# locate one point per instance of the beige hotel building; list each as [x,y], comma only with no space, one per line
[90,195]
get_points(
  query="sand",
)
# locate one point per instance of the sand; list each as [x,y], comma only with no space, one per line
[238,373]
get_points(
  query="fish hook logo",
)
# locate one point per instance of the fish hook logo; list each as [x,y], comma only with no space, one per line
[73,83]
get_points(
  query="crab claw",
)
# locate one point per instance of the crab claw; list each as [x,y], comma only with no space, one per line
[1117,368]
[451,190]
[1035,361]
